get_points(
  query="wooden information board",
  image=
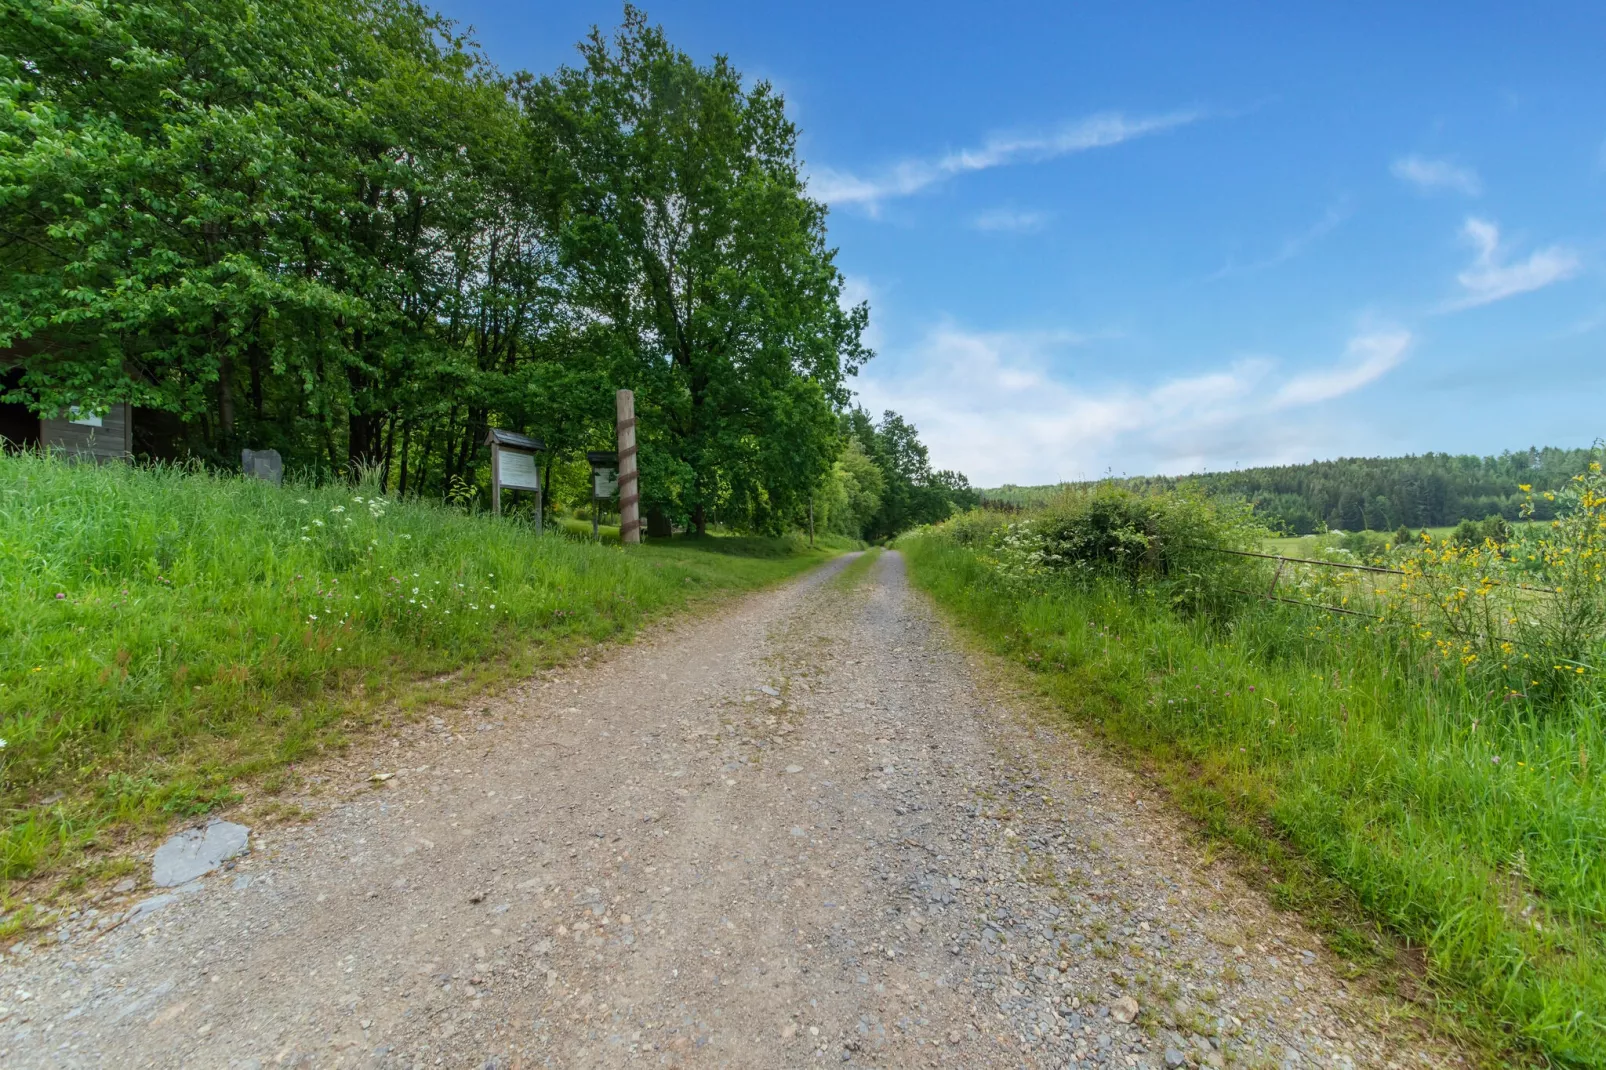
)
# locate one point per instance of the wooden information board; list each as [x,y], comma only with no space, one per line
[513,465]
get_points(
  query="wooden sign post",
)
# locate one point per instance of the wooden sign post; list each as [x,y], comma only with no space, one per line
[513,466]
[629,484]
[604,483]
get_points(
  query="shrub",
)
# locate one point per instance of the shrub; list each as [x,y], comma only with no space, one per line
[1531,610]
[1169,541]
[1364,545]
[977,528]
[1492,528]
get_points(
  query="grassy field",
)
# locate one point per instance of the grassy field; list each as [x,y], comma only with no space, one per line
[1371,791]
[581,529]
[169,635]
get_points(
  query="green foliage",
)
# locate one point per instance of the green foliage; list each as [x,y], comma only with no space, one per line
[1524,615]
[1379,493]
[1168,543]
[1463,815]
[1495,529]
[169,632]
[851,497]
[684,219]
[912,494]
[336,230]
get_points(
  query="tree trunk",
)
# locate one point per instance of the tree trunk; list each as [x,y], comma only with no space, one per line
[390,449]
[225,399]
[423,460]
[254,361]
[362,442]
[699,519]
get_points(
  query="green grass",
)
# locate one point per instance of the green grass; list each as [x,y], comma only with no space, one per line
[1310,545]
[856,570]
[581,529]
[1380,796]
[169,635]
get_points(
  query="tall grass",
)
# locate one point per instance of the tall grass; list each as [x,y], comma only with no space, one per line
[167,632]
[1470,825]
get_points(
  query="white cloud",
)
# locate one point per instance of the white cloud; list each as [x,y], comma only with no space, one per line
[1368,357]
[911,176]
[1490,279]
[993,406]
[1010,221]
[1292,246]
[1433,175]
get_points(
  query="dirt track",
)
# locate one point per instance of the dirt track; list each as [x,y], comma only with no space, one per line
[805,831]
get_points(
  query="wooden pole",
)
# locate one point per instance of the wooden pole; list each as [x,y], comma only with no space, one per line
[496,480]
[811,521]
[629,484]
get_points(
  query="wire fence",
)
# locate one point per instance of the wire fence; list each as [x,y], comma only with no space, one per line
[1283,561]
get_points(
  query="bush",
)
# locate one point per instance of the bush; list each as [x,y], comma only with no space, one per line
[1364,545]
[1528,612]
[977,528]
[1171,542]
[1493,528]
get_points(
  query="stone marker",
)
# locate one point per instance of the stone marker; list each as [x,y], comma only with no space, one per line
[263,464]
[195,852]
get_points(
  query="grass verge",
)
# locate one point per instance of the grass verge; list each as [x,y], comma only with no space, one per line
[856,570]
[1406,821]
[169,634]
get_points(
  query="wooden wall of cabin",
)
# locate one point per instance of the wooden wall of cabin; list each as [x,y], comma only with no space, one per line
[111,441]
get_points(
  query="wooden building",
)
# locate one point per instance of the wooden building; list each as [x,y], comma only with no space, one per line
[99,438]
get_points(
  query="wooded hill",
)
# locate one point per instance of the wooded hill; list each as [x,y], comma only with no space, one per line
[1374,493]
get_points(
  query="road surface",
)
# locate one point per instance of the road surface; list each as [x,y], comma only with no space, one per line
[809,830]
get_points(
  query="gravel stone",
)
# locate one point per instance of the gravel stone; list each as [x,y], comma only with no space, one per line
[196,852]
[961,881]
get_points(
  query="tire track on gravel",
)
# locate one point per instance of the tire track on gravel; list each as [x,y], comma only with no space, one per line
[802,832]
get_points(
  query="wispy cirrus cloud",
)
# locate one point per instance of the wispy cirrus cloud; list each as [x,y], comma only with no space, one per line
[1490,278]
[1367,358]
[908,177]
[1293,245]
[996,406]
[1010,221]
[1432,176]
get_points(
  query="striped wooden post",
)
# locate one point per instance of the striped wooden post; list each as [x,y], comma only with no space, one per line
[629,483]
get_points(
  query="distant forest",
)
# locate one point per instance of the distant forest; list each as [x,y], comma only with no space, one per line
[1375,493]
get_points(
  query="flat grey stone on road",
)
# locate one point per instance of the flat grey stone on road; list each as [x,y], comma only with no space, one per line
[197,852]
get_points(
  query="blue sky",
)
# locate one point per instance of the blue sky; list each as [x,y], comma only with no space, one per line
[1113,238]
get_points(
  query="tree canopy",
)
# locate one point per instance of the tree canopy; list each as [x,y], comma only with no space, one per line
[335,229]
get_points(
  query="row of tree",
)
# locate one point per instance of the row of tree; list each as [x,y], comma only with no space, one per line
[333,228]
[883,483]
[1376,493]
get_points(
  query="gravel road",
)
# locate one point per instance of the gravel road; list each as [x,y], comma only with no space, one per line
[809,830]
